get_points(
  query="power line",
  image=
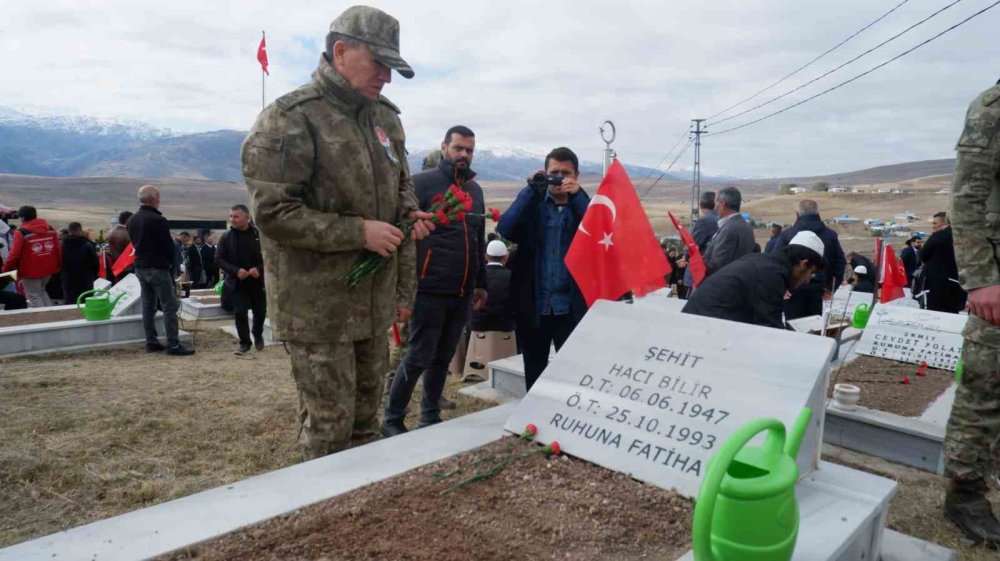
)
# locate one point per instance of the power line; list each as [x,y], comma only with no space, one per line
[806,65]
[824,75]
[865,73]
[665,156]
[681,153]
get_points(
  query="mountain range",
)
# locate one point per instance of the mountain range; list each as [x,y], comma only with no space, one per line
[89,147]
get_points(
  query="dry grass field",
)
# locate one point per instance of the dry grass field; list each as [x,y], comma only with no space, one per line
[84,437]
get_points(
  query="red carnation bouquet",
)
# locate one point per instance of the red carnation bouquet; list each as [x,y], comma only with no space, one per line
[450,207]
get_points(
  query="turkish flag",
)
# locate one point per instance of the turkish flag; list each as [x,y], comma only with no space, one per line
[124,261]
[262,56]
[695,261]
[893,276]
[615,249]
[102,265]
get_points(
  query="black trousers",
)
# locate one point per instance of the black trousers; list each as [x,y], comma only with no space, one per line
[435,329]
[806,300]
[246,301]
[536,340]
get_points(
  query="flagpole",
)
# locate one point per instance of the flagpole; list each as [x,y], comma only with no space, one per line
[262,102]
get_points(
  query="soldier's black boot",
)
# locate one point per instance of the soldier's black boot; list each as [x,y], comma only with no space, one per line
[390,429]
[965,504]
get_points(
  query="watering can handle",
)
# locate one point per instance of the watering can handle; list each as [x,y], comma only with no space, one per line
[705,505]
[82,297]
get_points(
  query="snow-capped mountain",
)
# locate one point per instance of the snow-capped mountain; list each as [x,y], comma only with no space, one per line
[83,125]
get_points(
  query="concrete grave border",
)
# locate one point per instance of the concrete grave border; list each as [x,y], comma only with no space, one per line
[77,335]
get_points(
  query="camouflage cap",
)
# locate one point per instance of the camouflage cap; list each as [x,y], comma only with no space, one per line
[378,30]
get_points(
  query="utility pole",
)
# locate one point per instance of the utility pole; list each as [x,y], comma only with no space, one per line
[608,136]
[696,189]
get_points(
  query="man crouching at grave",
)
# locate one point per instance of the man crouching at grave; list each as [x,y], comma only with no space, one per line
[542,222]
[326,169]
[451,278]
[753,288]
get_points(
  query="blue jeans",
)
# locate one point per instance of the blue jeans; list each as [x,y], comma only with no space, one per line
[158,290]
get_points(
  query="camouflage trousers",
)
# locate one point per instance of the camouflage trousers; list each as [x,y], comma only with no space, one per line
[340,389]
[972,441]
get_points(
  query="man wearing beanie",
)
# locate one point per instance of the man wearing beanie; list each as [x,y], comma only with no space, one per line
[752,289]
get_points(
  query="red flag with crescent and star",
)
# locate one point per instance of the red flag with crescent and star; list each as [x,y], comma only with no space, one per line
[262,55]
[695,262]
[615,249]
[124,261]
[893,276]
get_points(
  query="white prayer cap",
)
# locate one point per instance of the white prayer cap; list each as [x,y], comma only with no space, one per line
[496,248]
[861,270]
[808,239]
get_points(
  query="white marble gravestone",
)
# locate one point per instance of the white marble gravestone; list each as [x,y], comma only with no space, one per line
[913,336]
[129,303]
[655,395]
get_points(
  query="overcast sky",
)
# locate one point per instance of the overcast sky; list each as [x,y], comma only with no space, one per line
[533,74]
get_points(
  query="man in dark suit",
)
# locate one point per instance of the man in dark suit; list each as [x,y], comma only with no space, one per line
[208,260]
[940,270]
[807,299]
[195,263]
[735,236]
[703,228]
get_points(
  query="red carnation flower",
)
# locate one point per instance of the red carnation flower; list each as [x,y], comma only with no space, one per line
[441,218]
[460,216]
[552,449]
[467,203]
[905,380]
[922,371]
[437,198]
[529,432]
[494,214]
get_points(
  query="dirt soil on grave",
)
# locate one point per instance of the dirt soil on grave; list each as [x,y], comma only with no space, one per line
[881,385]
[535,508]
[44,316]
[87,436]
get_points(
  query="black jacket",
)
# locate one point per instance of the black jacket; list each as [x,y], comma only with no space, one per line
[229,259]
[911,260]
[941,273]
[748,290]
[498,315]
[79,267]
[452,260]
[150,234]
[195,265]
[833,275]
[870,277]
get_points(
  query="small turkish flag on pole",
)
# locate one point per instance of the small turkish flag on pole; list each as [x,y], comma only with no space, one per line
[124,261]
[893,276]
[695,261]
[262,54]
[615,249]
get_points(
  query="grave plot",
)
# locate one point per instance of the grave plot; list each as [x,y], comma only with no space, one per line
[62,328]
[537,505]
[203,306]
[901,422]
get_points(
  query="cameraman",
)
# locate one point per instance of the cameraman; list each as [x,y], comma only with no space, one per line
[542,222]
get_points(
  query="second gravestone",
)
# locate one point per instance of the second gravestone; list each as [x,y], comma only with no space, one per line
[913,336]
[655,395]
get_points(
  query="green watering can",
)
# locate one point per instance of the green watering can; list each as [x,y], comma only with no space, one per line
[97,308]
[860,318]
[746,508]
[218,287]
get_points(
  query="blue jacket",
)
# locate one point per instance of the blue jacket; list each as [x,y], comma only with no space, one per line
[523,225]
[831,277]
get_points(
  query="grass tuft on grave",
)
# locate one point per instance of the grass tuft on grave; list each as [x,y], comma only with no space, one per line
[537,506]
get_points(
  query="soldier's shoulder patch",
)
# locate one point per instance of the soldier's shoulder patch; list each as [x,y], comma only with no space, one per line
[384,101]
[296,97]
[991,96]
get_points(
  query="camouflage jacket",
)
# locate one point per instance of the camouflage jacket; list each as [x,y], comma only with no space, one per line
[317,163]
[975,194]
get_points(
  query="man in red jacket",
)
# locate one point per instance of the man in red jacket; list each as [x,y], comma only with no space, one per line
[35,255]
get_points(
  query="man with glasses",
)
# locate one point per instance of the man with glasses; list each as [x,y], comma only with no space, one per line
[542,222]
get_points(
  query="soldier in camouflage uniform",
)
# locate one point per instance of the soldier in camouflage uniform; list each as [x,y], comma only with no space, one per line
[325,166]
[972,442]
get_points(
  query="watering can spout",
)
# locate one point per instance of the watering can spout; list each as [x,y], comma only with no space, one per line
[114,301]
[797,433]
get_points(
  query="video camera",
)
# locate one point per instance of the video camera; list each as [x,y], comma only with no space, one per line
[542,180]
